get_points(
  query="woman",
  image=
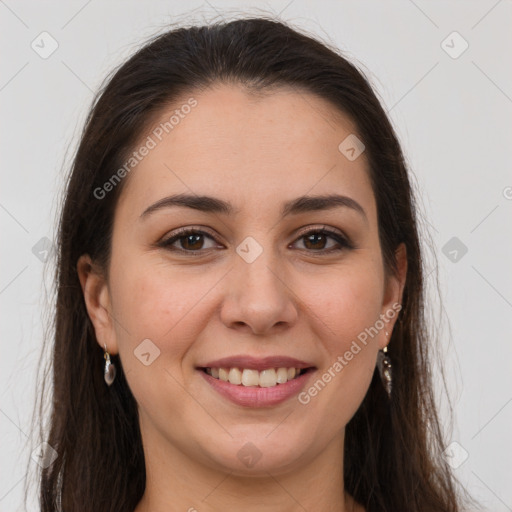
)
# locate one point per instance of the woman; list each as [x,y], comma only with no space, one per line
[240,319]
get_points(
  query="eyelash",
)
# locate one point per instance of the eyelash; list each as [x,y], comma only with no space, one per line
[343,243]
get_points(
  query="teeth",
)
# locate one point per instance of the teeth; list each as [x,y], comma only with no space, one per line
[247,377]
[282,375]
[251,378]
[235,376]
[268,378]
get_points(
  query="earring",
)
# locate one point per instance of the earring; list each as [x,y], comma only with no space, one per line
[384,366]
[109,373]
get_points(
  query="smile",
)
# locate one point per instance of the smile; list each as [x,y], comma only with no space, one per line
[267,378]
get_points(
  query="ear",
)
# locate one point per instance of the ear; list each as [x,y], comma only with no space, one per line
[97,301]
[393,293]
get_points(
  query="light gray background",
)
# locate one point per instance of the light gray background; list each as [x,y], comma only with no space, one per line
[453,116]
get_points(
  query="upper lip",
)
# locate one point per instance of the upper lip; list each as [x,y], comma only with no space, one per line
[257,363]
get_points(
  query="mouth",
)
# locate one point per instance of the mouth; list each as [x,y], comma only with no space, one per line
[248,377]
[257,382]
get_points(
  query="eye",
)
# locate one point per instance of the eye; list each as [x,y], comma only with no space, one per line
[189,240]
[317,240]
[193,240]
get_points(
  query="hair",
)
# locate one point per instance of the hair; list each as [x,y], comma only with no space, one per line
[393,446]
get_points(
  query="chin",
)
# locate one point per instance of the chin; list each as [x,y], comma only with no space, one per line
[258,452]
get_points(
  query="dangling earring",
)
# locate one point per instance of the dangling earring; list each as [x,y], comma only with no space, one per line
[384,366]
[109,372]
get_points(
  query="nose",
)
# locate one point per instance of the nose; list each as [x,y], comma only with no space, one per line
[258,298]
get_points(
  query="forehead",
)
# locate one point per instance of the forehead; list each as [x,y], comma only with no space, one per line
[243,147]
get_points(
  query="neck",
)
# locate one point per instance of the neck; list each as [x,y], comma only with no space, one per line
[175,482]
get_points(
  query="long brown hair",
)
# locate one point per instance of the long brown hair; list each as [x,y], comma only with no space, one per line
[393,448]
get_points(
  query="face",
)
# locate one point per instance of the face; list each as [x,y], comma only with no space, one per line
[262,283]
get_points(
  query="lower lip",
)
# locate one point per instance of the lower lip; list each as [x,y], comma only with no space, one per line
[254,396]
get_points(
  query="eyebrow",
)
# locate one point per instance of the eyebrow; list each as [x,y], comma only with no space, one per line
[296,206]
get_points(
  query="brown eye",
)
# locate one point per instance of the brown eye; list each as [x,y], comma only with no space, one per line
[195,241]
[189,240]
[315,241]
[323,241]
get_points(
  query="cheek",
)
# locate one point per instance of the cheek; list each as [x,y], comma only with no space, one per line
[347,307]
[149,302]
[152,302]
[346,302]
[170,310]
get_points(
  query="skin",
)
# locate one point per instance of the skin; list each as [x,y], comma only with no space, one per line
[255,153]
